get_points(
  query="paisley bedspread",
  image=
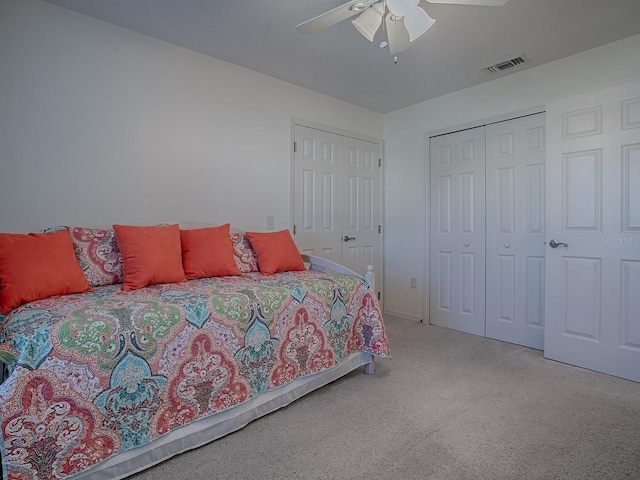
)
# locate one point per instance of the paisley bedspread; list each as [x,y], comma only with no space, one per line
[108,371]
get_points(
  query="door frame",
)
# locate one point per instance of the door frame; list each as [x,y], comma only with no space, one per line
[379,273]
[445,131]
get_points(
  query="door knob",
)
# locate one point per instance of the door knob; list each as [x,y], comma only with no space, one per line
[347,238]
[553,243]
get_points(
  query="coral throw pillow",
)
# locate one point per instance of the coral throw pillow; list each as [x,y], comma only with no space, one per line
[276,252]
[37,265]
[208,252]
[150,255]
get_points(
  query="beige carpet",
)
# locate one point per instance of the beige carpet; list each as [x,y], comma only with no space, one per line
[447,406]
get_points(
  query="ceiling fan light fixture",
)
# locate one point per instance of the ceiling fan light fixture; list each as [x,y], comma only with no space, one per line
[369,21]
[405,21]
[417,22]
[400,8]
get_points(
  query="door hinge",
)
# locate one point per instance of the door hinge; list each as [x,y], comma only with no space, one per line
[295,147]
[379,228]
[379,162]
[378,295]
[294,229]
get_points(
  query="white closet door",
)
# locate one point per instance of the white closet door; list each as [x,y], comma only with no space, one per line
[360,212]
[337,199]
[593,205]
[316,189]
[515,231]
[457,257]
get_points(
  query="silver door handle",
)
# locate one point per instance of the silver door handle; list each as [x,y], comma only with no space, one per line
[553,243]
[347,238]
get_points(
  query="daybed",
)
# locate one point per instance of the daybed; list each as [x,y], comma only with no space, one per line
[110,379]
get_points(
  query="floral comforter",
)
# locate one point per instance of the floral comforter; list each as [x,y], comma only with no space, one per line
[107,371]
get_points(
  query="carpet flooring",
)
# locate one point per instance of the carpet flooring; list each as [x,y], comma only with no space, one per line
[448,406]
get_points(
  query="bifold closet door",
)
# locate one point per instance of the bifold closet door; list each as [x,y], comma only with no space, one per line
[457,256]
[515,230]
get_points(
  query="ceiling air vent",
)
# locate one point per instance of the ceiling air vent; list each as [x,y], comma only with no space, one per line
[506,64]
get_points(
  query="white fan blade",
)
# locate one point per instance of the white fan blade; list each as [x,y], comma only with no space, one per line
[397,34]
[417,22]
[483,3]
[334,16]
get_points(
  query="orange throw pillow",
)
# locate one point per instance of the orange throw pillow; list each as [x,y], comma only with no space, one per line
[150,255]
[37,265]
[208,252]
[276,252]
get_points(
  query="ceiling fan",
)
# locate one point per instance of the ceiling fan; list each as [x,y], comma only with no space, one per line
[404,20]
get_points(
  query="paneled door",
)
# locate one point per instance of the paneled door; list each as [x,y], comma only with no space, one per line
[593,231]
[515,230]
[337,199]
[316,189]
[457,256]
[360,210]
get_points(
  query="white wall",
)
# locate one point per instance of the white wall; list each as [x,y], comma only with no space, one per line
[101,125]
[404,135]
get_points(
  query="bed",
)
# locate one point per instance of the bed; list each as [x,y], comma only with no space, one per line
[105,383]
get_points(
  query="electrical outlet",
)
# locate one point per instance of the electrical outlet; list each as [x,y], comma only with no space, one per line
[270,222]
[414,283]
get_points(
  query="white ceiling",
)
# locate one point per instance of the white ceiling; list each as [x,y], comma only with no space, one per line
[261,35]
